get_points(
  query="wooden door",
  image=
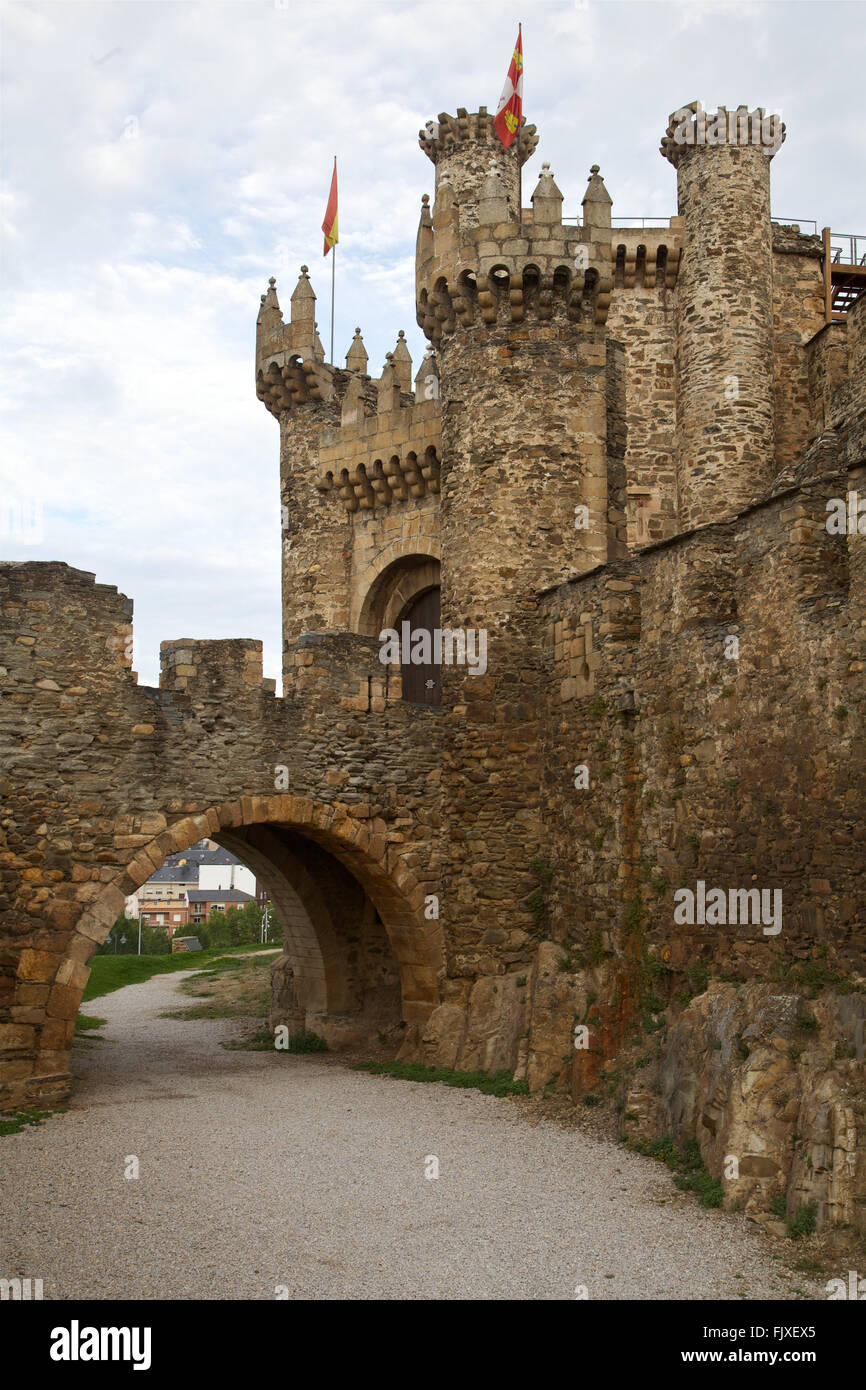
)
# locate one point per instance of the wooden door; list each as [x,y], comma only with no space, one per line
[422,683]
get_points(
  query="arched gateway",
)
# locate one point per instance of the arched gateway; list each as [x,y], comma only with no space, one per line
[361,953]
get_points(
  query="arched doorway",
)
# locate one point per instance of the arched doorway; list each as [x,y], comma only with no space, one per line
[407,592]
[422,679]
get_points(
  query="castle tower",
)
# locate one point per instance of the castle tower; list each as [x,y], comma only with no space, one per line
[303,394]
[516,312]
[724,307]
[465,149]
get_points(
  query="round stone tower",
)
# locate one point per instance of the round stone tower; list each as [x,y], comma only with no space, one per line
[724,307]
[466,149]
[516,310]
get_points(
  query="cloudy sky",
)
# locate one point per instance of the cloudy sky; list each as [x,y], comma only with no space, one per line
[162,159]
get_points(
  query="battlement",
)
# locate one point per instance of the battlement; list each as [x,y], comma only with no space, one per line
[691,127]
[213,670]
[646,257]
[61,631]
[343,669]
[499,266]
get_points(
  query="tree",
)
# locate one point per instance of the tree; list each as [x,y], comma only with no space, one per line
[155,941]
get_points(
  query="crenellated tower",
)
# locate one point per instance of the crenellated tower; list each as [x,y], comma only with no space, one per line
[359,476]
[303,393]
[514,302]
[724,307]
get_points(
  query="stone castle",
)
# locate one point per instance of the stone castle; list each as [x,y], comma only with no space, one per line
[616,464]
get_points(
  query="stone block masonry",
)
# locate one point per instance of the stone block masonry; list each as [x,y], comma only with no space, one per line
[615,462]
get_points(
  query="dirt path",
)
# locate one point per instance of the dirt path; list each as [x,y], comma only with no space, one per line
[260,1170]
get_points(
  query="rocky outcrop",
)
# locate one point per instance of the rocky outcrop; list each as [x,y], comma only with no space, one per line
[771,1085]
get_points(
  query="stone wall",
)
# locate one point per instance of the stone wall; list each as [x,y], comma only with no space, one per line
[101,778]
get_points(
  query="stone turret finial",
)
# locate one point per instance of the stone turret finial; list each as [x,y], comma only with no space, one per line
[402,362]
[303,289]
[427,380]
[304,334]
[493,205]
[318,350]
[596,201]
[389,387]
[424,239]
[270,314]
[356,357]
[444,196]
[547,199]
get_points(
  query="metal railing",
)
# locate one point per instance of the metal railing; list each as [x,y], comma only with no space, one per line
[648,221]
[796,222]
[850,244]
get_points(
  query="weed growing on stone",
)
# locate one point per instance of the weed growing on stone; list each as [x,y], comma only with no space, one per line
[803,1222]
[807,1023]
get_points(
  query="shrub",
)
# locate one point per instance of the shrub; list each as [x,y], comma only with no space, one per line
[803,1223]
[306,1041]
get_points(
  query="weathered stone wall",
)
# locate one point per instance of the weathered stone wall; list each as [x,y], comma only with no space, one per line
[798,314]
[738,762]
[102,778]
[642,319]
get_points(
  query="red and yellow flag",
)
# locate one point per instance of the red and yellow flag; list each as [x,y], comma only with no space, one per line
[329,226]
[509,112]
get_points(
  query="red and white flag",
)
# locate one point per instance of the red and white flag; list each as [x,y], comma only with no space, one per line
[509,112]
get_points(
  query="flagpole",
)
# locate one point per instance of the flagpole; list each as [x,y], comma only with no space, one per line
[333,283]
[519,183]
[517,142]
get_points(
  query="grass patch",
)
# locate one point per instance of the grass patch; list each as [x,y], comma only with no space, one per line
[16,1120]
[262,1041]
[815,975]
[86,1024]
[502,1084]
[108,973]
[231,987]
[690,1172]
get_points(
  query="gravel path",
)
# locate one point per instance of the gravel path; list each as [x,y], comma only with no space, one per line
[259,1170]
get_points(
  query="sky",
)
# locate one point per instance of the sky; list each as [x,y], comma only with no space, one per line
[161,159]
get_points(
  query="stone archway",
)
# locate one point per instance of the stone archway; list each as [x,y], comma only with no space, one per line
[402,576]
[40,1070]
